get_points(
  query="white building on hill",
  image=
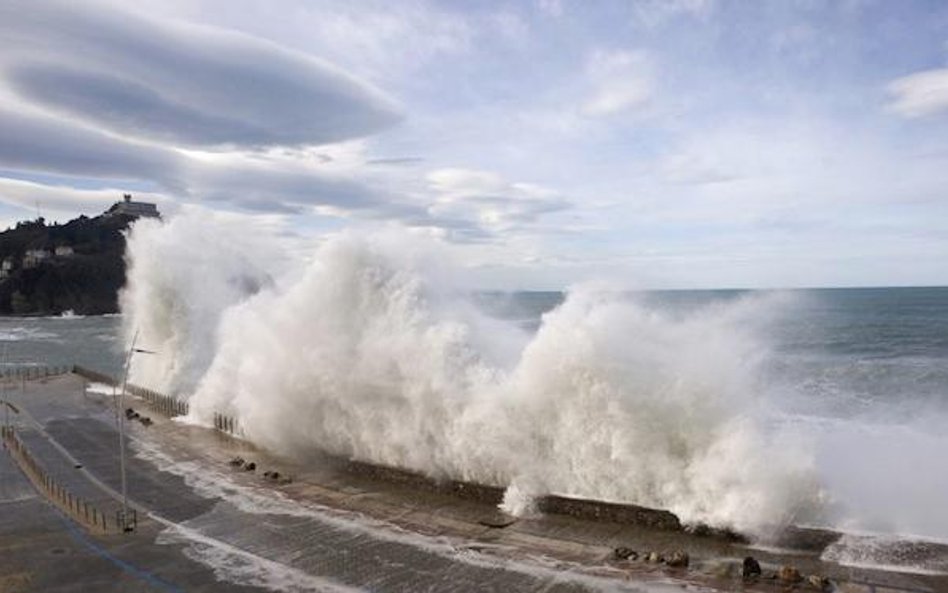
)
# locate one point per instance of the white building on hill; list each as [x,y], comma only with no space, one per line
[129,207]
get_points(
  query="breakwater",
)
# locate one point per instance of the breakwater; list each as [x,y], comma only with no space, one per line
[490,494]
[591,510]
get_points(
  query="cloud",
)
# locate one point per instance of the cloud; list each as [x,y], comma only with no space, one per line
[182,84]
[488,201]
[654,13]
[68,201]
[34,142]
[920,94]
[553,8]
[622,81]
[206,115]
[282,183]
[283,187]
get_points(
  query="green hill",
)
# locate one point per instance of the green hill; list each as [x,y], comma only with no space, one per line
[77,266]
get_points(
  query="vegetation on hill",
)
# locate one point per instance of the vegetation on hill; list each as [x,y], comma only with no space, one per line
[37,281]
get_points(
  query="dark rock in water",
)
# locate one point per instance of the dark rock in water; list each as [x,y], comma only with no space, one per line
[678,559]
[129,413]
[623,553]
[237,461]
[751,568]
[497,521]
[275,475]
[789,574]
[266,474]
[286,480]
[250,466]
[145,420]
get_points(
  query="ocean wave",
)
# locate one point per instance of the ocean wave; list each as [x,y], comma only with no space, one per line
[369,354]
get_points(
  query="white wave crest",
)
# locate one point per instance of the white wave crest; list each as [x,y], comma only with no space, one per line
[366,355]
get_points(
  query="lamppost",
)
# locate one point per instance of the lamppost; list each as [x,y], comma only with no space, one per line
[7,406]
[121,420]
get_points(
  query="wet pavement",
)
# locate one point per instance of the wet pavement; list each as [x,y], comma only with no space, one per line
[207,526]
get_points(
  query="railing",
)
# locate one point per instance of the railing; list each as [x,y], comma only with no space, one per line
[226,424]
[161,403]
[79,509]
[31,372]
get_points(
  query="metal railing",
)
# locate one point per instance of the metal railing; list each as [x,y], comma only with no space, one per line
[159,402]
[78,508]
[31,372]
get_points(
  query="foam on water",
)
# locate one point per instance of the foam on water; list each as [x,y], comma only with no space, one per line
[233,565]
[242,567]
[889,553]
[16,334]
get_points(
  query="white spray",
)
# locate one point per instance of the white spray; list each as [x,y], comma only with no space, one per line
[182,276]
[367,356]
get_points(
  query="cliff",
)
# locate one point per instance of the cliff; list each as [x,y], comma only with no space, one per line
[77,266]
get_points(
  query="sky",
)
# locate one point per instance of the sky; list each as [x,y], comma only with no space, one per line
[651,143]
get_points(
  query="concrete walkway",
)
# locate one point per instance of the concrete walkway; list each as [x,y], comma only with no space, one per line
[206,526]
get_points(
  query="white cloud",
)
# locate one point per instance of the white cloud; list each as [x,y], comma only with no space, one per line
[97,93]
[489,202]
[553,8]
[368,38]
[181,84]
[654,13]
[622,81]
[920,94]
[35,142]
[64,202]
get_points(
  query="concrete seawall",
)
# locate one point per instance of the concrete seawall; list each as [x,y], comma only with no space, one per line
[802,538]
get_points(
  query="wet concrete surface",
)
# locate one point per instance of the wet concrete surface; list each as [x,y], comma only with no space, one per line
[206,526]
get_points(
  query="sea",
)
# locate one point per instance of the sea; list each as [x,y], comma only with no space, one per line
[862,372]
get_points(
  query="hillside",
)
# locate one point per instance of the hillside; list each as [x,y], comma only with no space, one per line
[50,269]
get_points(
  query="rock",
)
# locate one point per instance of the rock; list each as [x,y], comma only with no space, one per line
[678,559]
[751,568]
[623,553]
[789,574]
[275,475]
[129,412]
[237,461]
[819,583]
[654,558]
[146,421]
[250,466]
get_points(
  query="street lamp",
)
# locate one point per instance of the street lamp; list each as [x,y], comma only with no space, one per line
[7,406]
[121,420]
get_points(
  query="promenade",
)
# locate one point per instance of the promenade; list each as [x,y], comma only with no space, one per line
[205,524]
